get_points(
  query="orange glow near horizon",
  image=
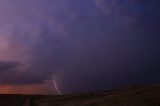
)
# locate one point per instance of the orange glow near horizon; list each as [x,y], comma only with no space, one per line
[45,88]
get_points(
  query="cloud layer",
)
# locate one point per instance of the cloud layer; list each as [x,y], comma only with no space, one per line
[90,40]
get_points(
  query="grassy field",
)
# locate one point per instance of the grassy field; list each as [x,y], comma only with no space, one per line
[133,96]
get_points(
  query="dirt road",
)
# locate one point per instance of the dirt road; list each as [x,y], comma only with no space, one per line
[30,101]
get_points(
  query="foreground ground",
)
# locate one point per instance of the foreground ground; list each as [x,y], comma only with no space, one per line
[133,96]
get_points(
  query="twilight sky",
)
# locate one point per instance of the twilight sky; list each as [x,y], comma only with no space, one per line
[87,45]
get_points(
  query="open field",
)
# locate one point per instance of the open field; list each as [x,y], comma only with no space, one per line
[133,96]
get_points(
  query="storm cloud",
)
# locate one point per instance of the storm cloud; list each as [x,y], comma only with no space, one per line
[88,42]
[6,66]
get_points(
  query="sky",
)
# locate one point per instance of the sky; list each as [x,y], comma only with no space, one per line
[87,45]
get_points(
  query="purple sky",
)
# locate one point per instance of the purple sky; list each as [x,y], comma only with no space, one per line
[87,44]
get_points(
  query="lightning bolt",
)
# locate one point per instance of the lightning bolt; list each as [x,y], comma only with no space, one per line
[56,87]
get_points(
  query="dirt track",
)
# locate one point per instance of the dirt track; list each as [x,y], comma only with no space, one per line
[30,101]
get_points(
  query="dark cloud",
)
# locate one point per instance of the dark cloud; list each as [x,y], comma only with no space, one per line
[89,43]
[6,66]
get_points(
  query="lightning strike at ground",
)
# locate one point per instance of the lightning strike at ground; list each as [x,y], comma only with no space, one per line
[56,87]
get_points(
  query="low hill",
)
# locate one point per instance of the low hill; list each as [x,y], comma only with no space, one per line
[131,96]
